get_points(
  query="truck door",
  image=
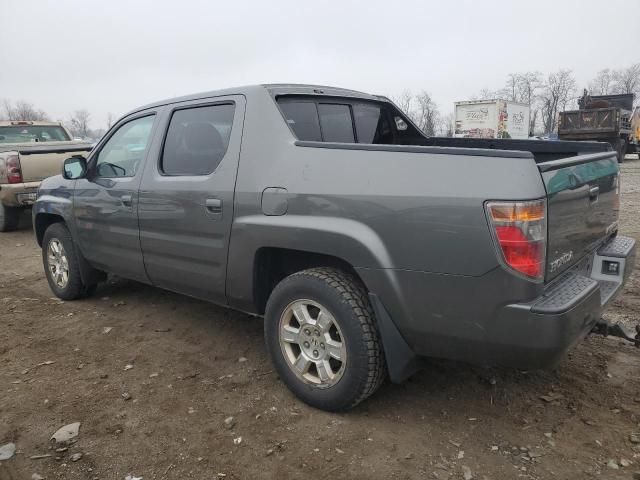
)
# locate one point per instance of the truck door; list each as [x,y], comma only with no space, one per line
[104,202]
[186,197]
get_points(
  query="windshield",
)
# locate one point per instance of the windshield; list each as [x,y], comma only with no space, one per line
[33,133]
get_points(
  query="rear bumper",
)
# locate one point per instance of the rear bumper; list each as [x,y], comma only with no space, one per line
[539,333]
[18,194]
[472,319]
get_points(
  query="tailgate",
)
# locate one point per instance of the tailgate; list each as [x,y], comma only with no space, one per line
[583,201]
[595,121]
[45,160]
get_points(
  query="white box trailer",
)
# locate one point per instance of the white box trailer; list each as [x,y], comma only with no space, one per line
[491,119]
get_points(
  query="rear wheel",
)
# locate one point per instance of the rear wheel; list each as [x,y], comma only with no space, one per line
[9,218]
[61,264]
[321,334]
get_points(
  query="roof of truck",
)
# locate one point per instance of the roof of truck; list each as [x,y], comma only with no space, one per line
[18,123]
[272,88]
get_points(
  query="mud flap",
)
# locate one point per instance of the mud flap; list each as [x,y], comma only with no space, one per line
[402,362]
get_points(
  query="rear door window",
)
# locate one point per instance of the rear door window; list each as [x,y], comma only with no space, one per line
[197,140]
[336,123]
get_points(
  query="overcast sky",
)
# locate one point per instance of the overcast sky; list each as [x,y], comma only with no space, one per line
[111,56]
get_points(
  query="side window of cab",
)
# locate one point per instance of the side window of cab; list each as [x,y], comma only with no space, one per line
[122,154]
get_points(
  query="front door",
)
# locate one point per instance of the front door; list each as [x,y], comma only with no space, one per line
[105,202]
[186,197]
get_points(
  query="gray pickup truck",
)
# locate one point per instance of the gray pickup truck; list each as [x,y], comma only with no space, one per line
[364,244]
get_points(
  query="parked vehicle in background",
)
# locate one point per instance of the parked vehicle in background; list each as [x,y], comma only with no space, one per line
[364,244]
[605,118]
[30,152]
[491,119]
[634,145]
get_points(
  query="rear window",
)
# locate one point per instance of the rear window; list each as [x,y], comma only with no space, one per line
[336,123]
[33,133]
[302,117]
[323,119]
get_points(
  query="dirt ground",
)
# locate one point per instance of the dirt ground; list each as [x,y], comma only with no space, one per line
[152,376]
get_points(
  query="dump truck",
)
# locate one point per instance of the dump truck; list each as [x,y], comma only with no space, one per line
[604,118]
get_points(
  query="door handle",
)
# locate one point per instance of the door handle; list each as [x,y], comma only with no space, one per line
[127,200]
[213,205]
[594,192]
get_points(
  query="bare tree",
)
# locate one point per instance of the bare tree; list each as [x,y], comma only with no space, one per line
[404,101]
[79,123]
[603,83]
[426,114]
[23,111]
[627,80]
[109,120]
[486,94]
[421,109]
[558,90]
[446,125]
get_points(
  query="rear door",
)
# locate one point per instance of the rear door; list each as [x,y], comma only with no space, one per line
[583,202]
[186,197]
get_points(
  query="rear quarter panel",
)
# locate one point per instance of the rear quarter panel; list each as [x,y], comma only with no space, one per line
[374,209]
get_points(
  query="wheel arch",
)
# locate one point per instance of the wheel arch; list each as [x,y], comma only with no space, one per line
[259,242]
[42,221]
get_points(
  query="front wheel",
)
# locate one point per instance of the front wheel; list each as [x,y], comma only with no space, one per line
[61,264]
[321,334]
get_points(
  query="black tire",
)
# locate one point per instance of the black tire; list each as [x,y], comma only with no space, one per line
[364,368]
[74,287]
[9,218]
[621,149]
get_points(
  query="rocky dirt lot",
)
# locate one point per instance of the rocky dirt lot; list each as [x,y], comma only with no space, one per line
[152,376]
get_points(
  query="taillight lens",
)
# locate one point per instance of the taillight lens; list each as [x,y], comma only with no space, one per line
[520,232]
[14,172]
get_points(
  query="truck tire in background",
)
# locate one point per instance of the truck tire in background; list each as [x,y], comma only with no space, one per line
[9,218]
[332,359]
[620,146]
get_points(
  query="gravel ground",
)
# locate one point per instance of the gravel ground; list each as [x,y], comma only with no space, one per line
[152,376]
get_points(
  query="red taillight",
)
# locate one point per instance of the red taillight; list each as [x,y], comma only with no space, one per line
[520,230]
[14,173]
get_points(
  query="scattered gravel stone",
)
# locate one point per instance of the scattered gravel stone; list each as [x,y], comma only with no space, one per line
[634,438]
[75,457]
[128,367]
[242,359]
[237,441]
[35,476]
[613,464]
[66,433]
[467,474]
[7,451]
[126,396]
[229,423]
[624,462]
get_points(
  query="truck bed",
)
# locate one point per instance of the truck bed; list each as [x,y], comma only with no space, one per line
[542,150]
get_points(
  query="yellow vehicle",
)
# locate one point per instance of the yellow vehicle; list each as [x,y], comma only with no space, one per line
[634,144]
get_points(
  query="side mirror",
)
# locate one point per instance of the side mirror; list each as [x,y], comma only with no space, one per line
[74,167]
